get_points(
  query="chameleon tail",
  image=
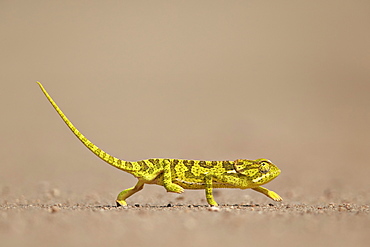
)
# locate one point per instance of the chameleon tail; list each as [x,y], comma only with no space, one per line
[120,164]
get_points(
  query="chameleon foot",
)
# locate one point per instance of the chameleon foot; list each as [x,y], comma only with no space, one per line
[121,203]
[174,188]
[274,196]
[211,201]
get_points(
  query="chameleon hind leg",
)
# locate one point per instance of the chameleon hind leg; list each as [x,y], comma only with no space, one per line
[121,198]
[167,179]
[271,194]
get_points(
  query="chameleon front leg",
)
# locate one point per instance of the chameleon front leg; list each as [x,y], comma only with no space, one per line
[167,179]
[209,195]
[121,198]
[271,194]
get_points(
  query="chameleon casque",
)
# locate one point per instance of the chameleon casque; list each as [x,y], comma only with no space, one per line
[175,175]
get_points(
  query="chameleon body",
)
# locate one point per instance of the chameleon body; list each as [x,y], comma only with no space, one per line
[175,175]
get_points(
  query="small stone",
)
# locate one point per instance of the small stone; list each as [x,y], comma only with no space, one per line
[214,209]
[54,209]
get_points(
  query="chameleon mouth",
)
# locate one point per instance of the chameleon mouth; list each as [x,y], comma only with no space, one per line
[259,178]
[267,176]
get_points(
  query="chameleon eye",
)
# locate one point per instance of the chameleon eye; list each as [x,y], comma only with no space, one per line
[264,167]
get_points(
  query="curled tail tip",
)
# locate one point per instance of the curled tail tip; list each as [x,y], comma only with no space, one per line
[41,86]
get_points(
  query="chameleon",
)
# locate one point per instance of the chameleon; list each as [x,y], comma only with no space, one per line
[175,175]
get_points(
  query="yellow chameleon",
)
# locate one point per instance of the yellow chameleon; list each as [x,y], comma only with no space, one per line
[175,175]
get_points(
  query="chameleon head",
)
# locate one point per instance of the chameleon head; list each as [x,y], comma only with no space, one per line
[258,171]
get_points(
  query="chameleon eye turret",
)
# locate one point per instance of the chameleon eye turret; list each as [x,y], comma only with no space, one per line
[175,175]
[264,167]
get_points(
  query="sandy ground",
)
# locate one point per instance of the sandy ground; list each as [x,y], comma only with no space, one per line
[207,80]
[180,224]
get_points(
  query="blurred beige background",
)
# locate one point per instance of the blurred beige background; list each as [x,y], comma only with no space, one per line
[211,80]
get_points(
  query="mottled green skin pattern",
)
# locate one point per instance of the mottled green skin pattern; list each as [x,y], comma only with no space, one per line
[175,175]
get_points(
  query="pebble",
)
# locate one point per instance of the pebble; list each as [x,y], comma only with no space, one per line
[214,209]
[54,209]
